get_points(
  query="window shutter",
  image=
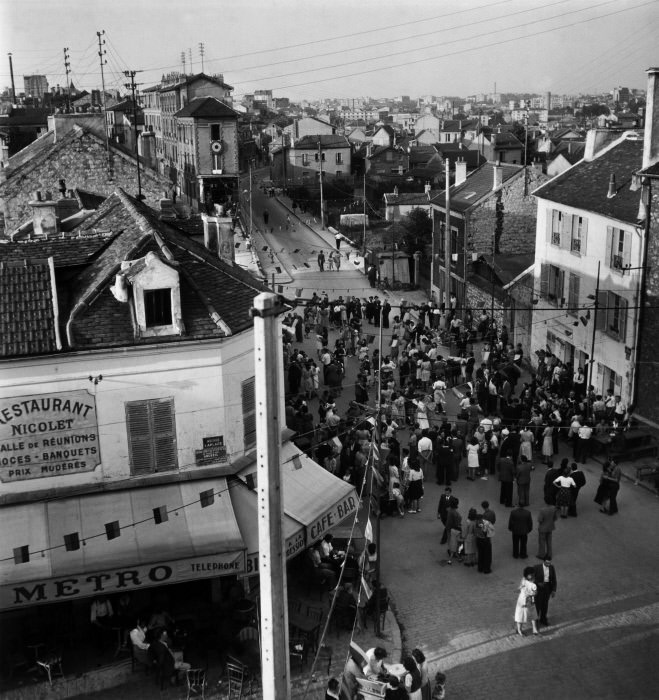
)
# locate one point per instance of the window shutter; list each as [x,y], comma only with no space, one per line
[560,289]
[544,280]
[627,250]
[618,385]
[566,232]
[600,379]
[624,306]
[584,234]
[573,294]
[139,437]
[164,434]
[249,411]
[609,245]
[602,303]
[550,219]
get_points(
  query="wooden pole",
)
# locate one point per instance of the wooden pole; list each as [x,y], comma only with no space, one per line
[275,667]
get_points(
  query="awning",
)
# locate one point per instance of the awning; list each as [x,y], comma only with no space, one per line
[191,542]
[315,501]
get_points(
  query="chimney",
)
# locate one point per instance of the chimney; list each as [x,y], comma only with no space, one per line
[460,171]
[226,250]
[651,137]
[44,215]
[612,187]
[497,171]
[211,237]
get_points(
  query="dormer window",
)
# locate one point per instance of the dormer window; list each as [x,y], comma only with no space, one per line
[158,307]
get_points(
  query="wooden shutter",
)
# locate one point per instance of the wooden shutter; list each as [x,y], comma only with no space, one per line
[584,234]
[573,294]
[622,324]
[602,310]
[550,218]
[140,445]
[164,434]
[544,280]
[566,231]
[249,411]
[609,245]
[627,250]
[560,288]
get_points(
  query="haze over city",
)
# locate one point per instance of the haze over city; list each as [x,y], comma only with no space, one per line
[317,50]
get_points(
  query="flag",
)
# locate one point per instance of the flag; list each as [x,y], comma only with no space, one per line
[365,590]
[368,531]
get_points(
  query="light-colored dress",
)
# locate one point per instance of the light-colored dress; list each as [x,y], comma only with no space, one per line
[526,444]
[547,442]
[472,457]
[524,612]
[469,541]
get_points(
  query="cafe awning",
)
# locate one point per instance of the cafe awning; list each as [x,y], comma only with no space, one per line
[315,501]
[122,546]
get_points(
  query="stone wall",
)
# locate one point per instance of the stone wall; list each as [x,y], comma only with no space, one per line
[81,161]
[647,405]
[509,218]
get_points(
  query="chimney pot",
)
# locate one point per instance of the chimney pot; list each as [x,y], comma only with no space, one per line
[612,187]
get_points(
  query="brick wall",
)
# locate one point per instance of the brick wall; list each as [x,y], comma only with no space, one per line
[81,161]
[648,369]
[510,217]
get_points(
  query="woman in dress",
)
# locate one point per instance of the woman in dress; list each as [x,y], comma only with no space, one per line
[472,459]
[469,538]
[547,444]
[421,662]
[415,486]
[526,443]
[564,496]
[412,679]
[525,607]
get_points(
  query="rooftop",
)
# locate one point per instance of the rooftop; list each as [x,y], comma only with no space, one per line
[206,107]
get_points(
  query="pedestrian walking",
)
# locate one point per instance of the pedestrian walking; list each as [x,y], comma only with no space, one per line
[546,525]
[579,479]
[520,524]
[372,275]
[321,261]
[454,527]
[442,511]
[546,582]
[525,610]
[469,538]
[330,262]
[484,535]
[338,237]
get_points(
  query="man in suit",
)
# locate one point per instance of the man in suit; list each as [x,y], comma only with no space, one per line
[520,524]
[580,481]
[545,580]
[442,511]
[169,662]
[523,478]
[506,477]
[546,525]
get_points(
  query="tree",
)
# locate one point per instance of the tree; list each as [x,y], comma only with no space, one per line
[418,230]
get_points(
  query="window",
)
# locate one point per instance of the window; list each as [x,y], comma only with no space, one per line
[305,159]
[158,307]
[216,132]
[618,244]
[249,412]
[556,227]
[454,247]
[552,283]
[573,294]
[339,173]
[578,238]
[151,436]
[339,158]
[612,315]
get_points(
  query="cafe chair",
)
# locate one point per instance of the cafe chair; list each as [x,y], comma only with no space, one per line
[369,611]
[298,650]
[196,681]
[51,663]
[236,669]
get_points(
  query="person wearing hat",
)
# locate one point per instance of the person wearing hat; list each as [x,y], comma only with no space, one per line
[545,580]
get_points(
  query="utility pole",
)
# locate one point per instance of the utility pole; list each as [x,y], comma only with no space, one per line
[448,252]
[13,86]
[201,52]
[131,86]
[272,553]
[250,198]
[592,343]
[190,57]
[364,222]
[322,204]
[526,145]
[67,66]
[183,61]
[378,518]
[101,53]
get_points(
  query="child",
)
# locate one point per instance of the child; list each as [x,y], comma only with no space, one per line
[439,693]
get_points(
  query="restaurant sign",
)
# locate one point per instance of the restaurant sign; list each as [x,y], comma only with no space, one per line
[338,512]
[130,578]
[294,545]
[48,435]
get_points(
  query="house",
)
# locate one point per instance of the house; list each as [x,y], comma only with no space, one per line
[386,161]
[121,119]
[430,123]
[492,223]
[384,136]
[500,146]
[128,424]
[564,157]
[300,164]
[72,154]
[309,126]
[19,127]
[589,255]
[398,205]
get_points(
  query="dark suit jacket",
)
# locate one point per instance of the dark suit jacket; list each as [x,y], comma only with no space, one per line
[506,469]
[523,474]
[164,658]
[579,478]
[442,508]
[539,577]
[520,521]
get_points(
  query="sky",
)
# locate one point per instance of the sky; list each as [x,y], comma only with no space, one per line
[316,49]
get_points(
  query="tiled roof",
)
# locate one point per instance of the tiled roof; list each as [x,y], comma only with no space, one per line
[38,147]
[66,252]
[571,151]
[186,80]
[206,107]
[326,141]
[585,186]
[505,139]
[27,315]
[26,116]
[477,186]
[406,199]
[89,200]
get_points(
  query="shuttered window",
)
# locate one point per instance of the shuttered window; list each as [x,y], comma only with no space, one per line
[618,248]
[573,294]
[249,412]
[612,315]
[151,432]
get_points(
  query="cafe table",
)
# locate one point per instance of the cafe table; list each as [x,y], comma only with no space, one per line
[308,627]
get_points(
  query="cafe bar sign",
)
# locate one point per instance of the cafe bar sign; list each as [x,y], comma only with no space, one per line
[48,435]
